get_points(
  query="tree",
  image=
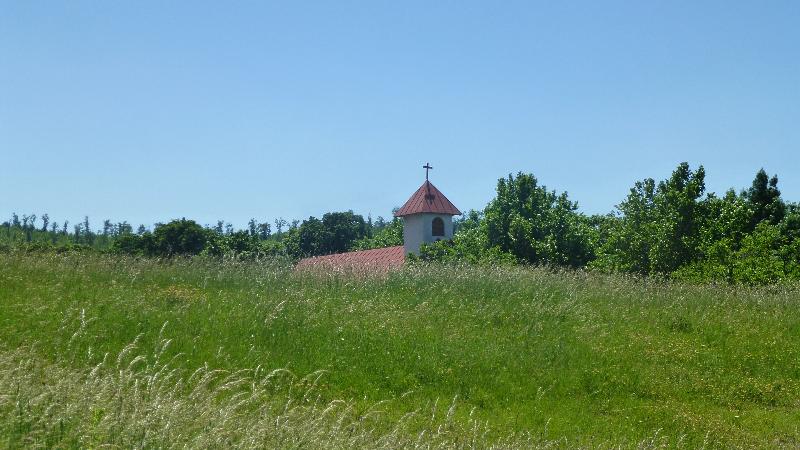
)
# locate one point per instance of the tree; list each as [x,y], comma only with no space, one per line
[54,232]
[88,235]
[341,230]
[335,233]
[108,228]
[759,260]
[131,244]
[264,231]
[658,226]
[241,242]
[724,224]
[380,222]
[45,221]
[678,219]
[306,239]
[535,225]
[387,235]
[123,228]
[469,243]
[765,199]
[279,224]
[178,237]
[790,226]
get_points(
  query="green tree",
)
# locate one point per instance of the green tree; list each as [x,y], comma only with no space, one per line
[386,234]
[335,233]
[179,237]
[131,244]
[252,227]
[341,230]
[535,225]
[760,261]
[88,236]
[679,214]
[765,200]
[470,244]
[306,239]
[264,231]
[242,242]
[657,230]
[725,222]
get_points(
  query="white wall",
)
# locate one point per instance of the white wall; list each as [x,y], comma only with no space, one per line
[417,228]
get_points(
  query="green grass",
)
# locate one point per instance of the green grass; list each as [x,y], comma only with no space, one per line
[433,356]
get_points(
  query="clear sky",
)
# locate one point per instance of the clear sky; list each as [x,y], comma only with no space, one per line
[147,111]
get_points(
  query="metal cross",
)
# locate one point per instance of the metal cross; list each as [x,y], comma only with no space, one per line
[427,167]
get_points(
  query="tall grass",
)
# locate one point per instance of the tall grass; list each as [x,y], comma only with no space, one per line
[101,350]
[137,401]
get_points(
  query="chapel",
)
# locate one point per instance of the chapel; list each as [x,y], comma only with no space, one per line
[427,217]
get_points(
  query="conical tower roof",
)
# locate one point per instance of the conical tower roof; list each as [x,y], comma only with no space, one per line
[427,199]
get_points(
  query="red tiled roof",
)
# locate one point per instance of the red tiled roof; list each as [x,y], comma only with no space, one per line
[379,260]
[427,199]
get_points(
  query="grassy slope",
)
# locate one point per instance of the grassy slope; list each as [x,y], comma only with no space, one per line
[589,358]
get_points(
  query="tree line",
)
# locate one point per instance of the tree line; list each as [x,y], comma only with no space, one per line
[669,228]
[335,232]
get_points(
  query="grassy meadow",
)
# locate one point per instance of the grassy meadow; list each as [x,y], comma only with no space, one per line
[105,350]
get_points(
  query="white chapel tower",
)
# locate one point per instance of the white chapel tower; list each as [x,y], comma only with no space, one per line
[427,216]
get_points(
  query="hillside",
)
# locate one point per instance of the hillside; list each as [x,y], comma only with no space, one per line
[101,349]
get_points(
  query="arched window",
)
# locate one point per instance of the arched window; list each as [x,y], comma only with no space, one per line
[437,227]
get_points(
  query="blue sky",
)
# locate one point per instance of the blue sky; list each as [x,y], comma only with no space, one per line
[146,111]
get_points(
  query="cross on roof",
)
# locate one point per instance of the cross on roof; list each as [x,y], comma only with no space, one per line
[427,167]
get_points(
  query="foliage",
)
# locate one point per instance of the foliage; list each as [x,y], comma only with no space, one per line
[385,235]
[469,244]
[342,229]
[243,245]
[305,240]
[178,237]
[668,229]
[335,233]
[765,199]
[759,260]
[535,225]
[658,227]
